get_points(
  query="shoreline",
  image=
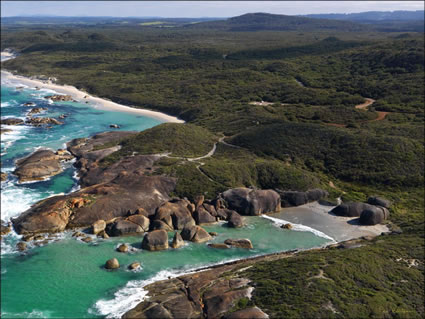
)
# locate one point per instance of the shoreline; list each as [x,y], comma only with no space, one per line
[83,97]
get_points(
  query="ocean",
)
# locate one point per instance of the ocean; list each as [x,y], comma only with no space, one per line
[65,278]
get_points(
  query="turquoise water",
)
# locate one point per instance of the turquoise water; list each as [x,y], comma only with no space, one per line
[65,278]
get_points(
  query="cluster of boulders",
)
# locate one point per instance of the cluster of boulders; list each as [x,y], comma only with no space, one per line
[41,164]
[59,97]
[39,121]
[375,211]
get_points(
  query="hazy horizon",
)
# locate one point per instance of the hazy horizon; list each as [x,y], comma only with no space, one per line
[201,9]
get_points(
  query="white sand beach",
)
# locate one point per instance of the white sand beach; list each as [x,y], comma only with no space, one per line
[80,96]
[317,216]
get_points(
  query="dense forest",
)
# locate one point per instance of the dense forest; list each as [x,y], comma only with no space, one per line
[284,95]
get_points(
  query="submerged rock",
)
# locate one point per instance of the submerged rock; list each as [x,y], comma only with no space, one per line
[134,266]
[87,239]
[219,246]
[155,240]
[38,166]
[37,110]
[38,121]
[286,226]
[4,228]
[21,246]
[241,243]
[112,264]
[248,201]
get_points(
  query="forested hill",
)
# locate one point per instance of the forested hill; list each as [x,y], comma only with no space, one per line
[277,22]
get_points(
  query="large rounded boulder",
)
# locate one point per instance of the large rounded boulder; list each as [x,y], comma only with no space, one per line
[351,209]
[374,215]
[380,201]
[196,234]
[248,201]
[202,216]
[155,240]
[125,228]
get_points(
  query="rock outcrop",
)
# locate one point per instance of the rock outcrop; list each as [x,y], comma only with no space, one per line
[38,166]
[155,240]
[12,121]
[212,293]
[248,201]
[3,176]
[196,234]
[294,198]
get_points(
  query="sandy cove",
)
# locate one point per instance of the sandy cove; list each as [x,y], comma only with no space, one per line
[318,217]
[83,97]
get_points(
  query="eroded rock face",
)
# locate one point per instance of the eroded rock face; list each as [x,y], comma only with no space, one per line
[175,214]
[38,166]
[104,201]
[351,209]
[155,240]
[248,201]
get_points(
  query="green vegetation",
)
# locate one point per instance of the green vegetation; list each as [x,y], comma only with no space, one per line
[373,281]
[209,74]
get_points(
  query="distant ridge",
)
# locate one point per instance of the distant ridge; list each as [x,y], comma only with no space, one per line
[278,22]
[372,16]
